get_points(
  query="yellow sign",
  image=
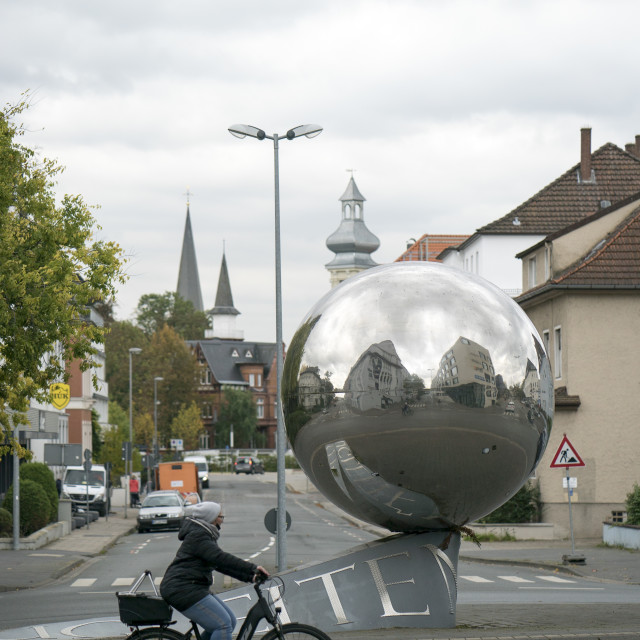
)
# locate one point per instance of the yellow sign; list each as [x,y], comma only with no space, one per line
[60,395]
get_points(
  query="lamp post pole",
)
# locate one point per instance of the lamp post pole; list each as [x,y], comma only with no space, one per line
[155,424]
[129,461]
[309,131]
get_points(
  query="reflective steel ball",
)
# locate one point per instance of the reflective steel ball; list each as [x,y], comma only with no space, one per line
[417,396]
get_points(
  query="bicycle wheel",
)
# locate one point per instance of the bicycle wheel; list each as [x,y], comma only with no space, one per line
[296,631]
[156,633]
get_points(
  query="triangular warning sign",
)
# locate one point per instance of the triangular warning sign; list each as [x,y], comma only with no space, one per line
[566,455]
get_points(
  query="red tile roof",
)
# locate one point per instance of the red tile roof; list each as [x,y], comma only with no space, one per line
[567,199]
[614,261]
[430,246]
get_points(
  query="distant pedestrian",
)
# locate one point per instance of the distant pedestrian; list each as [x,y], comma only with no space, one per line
[134,491]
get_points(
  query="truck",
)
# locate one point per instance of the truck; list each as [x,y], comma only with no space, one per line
[179,476]
[84,488]
[203,468]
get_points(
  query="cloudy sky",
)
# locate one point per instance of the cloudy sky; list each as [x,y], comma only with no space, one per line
[452,113]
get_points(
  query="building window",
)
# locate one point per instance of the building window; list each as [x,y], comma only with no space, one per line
[252,380]
[557,351]
[546,339]
[205,376]
[235,354]
[477,262]
[260,408]
[259,379]
[532,272]
[547,263]
[248,354]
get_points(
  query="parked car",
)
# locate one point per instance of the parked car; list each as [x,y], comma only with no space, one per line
[161,510]
[511,407]
[248,464]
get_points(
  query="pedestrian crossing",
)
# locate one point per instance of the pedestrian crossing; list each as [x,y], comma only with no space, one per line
[85,583]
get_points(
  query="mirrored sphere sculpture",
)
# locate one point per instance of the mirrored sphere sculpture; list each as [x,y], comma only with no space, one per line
[417,396]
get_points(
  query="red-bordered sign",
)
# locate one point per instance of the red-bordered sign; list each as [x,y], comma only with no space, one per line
[566,455]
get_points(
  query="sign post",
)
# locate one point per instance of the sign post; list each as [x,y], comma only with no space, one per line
[566,456]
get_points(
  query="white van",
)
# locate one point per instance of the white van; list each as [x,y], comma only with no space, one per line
[82,488]
[203,469]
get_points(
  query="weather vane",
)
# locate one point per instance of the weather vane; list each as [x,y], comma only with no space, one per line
[188,193]
[351,170]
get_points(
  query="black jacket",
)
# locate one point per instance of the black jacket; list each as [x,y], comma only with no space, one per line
[188,578]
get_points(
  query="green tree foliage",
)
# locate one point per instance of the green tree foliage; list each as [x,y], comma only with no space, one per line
[40,473]
[523,507]
[238,409]
[51,269]
[413,387]
[187,425]
[164,354]
[96,434]
[155,310]
[34,506]
[6,523]
[633,505]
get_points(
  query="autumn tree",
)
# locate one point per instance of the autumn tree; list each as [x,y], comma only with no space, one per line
[187,426]
[51,269]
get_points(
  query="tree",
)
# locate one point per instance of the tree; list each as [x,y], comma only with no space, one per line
[51,270]
[155,310]
[164,354]
[413,386]
[187,426]
[238,409]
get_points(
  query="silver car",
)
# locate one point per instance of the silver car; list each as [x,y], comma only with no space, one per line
[161,510]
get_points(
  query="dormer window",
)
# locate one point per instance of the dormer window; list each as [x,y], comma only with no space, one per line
[235,354]
[248,354]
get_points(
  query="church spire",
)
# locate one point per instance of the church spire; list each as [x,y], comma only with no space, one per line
[352,242]
[222,317]
[188,279]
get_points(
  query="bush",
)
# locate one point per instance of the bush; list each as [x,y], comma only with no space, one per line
[633,506]
[6,523]
[522,508]
[40,473]
[34,506]
[270,463]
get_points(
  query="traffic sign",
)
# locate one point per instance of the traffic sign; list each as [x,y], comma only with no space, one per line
[566,455]
[271,521]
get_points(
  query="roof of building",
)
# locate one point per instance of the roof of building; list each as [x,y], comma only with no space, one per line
[188,279]
[430,246]
[352,192]
[568,198]
[224,357]
[224,297]
[613,263]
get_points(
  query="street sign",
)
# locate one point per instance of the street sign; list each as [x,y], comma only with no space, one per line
[271,521]
[566,455]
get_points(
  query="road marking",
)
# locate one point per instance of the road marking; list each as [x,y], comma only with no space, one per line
[122,582]
[47,555]
[475,579]
[83,582]
[555,579]
[514,579]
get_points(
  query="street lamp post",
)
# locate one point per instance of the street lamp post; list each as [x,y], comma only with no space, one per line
[309,131]
[155,420]
[129,461]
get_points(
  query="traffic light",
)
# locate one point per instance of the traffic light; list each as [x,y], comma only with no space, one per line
[126,451]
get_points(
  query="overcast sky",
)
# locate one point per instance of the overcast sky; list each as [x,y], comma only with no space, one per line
[452,113]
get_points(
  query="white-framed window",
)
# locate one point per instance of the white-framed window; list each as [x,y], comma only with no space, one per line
[260,408]
[205,375]
[557,352]
[252,379]
[532,272]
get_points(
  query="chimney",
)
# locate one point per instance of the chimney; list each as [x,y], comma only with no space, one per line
[630,147]
[638,146]
[585,154]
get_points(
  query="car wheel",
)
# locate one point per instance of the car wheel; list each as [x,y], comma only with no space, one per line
[141,530]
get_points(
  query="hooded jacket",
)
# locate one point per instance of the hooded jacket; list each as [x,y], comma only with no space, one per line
[188,578]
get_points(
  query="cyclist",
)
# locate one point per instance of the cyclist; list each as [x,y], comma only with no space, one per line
[185,585]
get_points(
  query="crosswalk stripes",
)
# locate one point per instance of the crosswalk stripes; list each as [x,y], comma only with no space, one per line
[126,582]
[480,579]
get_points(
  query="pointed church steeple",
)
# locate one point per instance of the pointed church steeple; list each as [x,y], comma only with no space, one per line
[352,242]
[222,317]
[188,279]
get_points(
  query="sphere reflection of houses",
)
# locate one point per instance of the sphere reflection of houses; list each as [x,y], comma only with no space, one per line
[441,396]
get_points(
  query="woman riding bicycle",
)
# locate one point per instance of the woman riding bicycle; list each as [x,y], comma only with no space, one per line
[186,582]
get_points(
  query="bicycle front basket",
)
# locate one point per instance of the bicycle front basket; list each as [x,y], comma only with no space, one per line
[143,609]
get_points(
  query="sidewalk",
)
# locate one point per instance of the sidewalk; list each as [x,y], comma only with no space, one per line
[28,569]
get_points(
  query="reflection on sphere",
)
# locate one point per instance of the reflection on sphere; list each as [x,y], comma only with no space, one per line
[417,396]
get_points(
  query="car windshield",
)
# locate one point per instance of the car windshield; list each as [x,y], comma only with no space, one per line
[78,476]
[167,500]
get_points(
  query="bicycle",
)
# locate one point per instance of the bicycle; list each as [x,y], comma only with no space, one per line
[149,616]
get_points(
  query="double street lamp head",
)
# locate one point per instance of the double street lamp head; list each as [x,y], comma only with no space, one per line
[135,350]
[244,130]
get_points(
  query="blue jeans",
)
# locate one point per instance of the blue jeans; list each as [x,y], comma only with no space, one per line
[214,616]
